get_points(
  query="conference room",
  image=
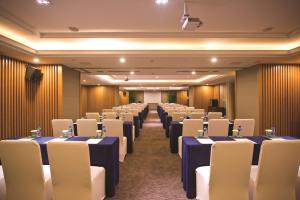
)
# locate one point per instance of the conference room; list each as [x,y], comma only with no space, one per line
[152,99]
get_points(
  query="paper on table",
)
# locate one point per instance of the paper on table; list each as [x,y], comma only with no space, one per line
[93,141]
[56,140]
[278,138]
[205,141]
[244,139]
[25,139]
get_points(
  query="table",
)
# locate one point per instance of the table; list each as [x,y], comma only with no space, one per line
[175,130]
[127,131]
[136,123]
[195,155]
[104,154]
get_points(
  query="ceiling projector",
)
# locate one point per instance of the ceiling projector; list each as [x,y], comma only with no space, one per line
[190,23]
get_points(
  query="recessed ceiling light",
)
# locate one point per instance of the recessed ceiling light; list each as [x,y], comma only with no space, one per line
[132,72]
[122,60]
[156,77]
[84,81]
[73,29]
[36,60]
[43,2]
[161,1]
[193,72]
[214,59]
[268,29]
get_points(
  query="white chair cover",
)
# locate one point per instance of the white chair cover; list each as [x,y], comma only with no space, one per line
[218,127]
[72,176]
[25,176]
[87,127]
[227,177]
[247,126]
[214,115]
[114,128]
[276,174]
[58,125]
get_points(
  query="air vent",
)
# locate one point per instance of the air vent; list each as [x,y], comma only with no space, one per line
[203,71]
[215,71]
[83,70]
[184,71]
[112,71]
[100,71]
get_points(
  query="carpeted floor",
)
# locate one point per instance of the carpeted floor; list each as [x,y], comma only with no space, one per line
[151,172]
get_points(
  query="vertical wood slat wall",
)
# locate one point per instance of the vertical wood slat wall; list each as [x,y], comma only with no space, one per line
[182,97]
[26,105]
[280,98]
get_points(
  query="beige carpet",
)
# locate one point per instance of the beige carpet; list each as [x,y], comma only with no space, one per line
[151,172]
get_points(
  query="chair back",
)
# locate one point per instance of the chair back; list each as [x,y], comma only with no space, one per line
[277,170]
[191,126]
[22,169]
[199,110]
[230,167]
[58,125]
[93,115]
[247,126]
[114,128]
[87,127]
[196,115]
[128,117]
[70,170]
[109,115]
[214,115]
[218,127]
[135,112]
[178,116]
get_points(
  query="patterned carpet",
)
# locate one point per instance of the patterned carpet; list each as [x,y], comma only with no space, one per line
[151,172]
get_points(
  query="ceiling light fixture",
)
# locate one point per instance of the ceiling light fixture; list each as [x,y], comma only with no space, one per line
[43,2]
[122,60]
[84,81]
[161,1]
[193,72]
[214,60]
[36,60]
[132,72]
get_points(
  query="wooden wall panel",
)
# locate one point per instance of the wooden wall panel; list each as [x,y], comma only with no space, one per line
[123,97]
[83,100]
[280,98]
[182,97]
[203,94]
[26,105]
[100,97]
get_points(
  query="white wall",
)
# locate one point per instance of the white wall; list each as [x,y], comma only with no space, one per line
[152,97]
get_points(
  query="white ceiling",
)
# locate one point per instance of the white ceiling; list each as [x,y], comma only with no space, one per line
[149,36]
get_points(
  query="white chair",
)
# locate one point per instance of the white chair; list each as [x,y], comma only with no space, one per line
[218,127]
[109,115]
[214,115]
[114,128]
[72,175]
[189,128]
[25,176]
[93,115]
[128,117]
[87,127]
[275,176]
[2,184]
[298,186]
[199,110]
[247,126]
[58,125]
[227,177]
[178,116]
[196,115]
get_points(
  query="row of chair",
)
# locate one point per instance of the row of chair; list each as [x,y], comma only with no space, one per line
[231,176]
[89,127]
[216,127]
[69,175]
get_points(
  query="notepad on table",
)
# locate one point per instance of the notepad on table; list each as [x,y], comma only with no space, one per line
[277,138]
[25,139]
[244,140]
[93,141]
[205,141]
[61,139]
